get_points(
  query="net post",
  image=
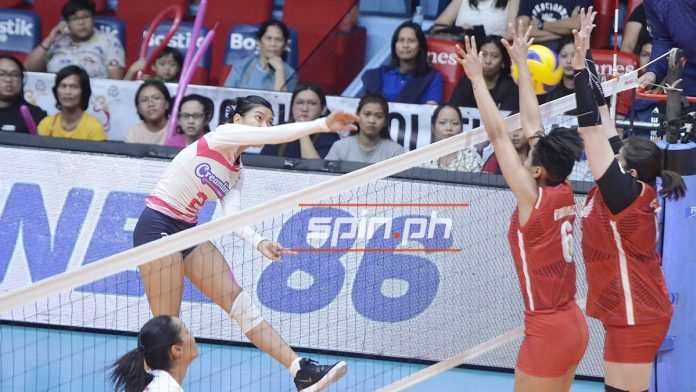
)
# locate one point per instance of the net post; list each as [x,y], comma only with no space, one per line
[674,96]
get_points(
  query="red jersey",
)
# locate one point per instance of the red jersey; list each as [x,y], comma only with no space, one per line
[626,285]
[543,249]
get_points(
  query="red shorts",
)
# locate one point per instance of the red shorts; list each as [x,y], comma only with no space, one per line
[635,343]
[553,341]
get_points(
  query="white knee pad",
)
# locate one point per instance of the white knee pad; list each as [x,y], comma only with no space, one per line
[245,312]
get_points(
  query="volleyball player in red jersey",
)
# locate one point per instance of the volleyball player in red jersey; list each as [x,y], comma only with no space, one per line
[627,290]
[541,228]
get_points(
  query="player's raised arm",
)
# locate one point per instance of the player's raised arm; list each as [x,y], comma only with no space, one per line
[529,105]
[599,152]
[516,175]
[247,135]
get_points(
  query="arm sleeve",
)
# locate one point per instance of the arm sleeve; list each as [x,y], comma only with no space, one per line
[662,42]
[616,143]
[245,135]
[434,91]
[618,189]
[232,204]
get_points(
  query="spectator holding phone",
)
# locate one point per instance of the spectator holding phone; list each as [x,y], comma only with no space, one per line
[74,41]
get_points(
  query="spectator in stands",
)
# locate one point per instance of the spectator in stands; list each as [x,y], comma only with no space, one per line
[635,31]
[267,70]
[627,106]
[74,41]
[308,103]
[496,72]
[492,15]
[12,96]
[72,92]
[195,114]
[567,84]
[409,78]
[154,105]
[447,122]
[551,19]
[671,26]
[166,67]
[521,145]
[372,143]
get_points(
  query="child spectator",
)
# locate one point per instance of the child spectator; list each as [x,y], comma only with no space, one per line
[166,67]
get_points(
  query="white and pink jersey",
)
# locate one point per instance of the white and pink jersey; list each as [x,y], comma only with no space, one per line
[210,169]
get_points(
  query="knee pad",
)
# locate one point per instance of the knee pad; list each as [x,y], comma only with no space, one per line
[245,312]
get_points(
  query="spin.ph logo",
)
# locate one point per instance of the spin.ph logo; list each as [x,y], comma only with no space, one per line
[15,27]
[379,228]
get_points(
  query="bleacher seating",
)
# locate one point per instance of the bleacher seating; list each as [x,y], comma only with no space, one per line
[604,59]
[136,14]
[181,41]
[241,43]
[228,13]
[111,25]
[23,32]
[442,53]
[331,51]
[604,22]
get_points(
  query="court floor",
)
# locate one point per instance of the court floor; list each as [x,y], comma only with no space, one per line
[37,359]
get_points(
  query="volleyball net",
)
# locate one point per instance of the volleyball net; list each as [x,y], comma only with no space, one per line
[394,261]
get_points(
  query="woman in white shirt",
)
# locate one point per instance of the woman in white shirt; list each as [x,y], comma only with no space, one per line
[493,15]
[166,349]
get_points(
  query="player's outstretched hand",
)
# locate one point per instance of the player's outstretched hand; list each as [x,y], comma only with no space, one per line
[470,58]
[339,121]
[521,41]
[273,250]
[582,37]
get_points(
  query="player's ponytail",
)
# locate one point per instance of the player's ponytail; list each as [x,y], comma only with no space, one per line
[155,340]
[242,105]
[643,156]
[673,186]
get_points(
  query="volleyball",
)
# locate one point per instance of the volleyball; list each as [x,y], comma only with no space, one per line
[545,67]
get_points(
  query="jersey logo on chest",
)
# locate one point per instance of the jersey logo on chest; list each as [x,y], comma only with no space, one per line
[219,186]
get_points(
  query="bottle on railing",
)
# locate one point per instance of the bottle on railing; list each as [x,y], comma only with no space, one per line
[418,15]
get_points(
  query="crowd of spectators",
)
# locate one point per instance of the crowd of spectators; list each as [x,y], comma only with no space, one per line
[76,52]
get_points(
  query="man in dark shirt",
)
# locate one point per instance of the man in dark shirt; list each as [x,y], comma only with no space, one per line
[12,96]
[671,25]
[551,19]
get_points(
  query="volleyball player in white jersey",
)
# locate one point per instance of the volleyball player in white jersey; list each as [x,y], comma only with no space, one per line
[211,169]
